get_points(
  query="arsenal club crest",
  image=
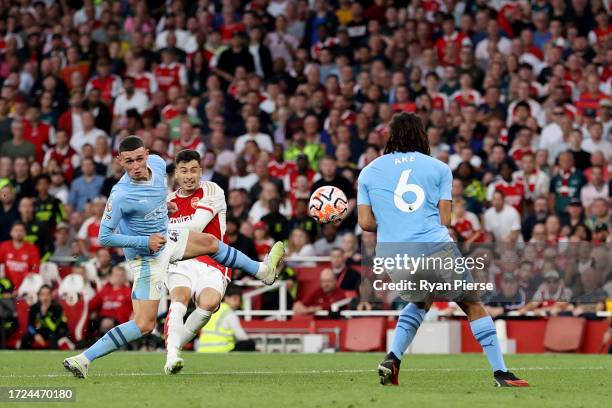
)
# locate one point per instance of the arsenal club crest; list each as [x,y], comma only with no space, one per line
[194,202]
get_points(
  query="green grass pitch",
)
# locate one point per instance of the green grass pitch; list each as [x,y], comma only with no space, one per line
[349,380]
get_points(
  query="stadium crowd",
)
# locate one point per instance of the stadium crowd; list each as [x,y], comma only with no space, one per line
[283,96]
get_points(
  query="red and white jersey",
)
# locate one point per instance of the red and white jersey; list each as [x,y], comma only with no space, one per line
[40,135]
[89,233]
[202,211]
[469,97]
[280,170]
[18,262]
[439,101]
[170,75]
[514,192]
[194,144]
[168,112]
[145,82]
[109,86]
[535,184]
[467,226]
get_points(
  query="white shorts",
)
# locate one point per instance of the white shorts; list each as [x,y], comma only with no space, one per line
[196,276]
[150,272]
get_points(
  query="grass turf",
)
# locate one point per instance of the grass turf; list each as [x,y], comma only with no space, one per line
[129,379]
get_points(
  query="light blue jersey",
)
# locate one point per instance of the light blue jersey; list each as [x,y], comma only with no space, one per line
[139,209]
[403,190]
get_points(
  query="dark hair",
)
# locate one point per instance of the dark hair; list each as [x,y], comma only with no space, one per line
[407,134]
[42,177]
[187,155]
[17,223]
[45,286]
[130,143]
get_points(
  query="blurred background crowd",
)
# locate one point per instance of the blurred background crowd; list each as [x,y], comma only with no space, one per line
[283,96]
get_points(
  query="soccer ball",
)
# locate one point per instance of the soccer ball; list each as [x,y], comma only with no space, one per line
[328,204]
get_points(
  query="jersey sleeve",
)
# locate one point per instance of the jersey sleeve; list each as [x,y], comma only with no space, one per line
[363,196]
[113,213]
[158,165]
[446,183]
[207,208]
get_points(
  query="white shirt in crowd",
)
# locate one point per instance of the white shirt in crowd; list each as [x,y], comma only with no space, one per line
[591,146]
[79,139]
[590,193]
[263,141]
[501,224]
[138,101]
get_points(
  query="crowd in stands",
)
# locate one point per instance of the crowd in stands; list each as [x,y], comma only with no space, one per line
[283,96]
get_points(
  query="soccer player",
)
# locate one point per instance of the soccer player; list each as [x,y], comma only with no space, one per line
[136,219]
[200,207]
[405,197]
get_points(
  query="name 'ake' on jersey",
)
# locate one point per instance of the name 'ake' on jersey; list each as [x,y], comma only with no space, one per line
[403,190]
[136,209]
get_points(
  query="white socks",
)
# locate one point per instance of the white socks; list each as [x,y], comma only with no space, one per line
[179,334]
[196,320]
[175,327]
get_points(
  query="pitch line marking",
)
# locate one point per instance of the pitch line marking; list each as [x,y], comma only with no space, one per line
[301,372]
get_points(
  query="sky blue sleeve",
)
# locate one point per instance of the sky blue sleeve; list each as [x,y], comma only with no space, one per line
[158,165]
[446,183]
[363,196]
[110,221]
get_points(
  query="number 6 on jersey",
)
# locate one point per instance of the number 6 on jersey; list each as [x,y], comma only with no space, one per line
[404,187]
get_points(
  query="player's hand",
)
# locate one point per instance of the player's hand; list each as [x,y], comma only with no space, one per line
[172,207]
[156,241]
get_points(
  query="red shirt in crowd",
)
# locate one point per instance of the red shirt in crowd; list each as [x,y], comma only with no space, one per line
[18,262]
[39,135]
[514,191]
[324,300]
[169,75]
[113,302]
[280,170]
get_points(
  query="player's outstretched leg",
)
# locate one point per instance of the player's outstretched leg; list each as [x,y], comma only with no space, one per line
[115,338]
[199,244]
[483,329]
[410,319]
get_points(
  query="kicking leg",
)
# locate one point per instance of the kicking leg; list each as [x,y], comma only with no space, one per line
[485,333]
[408,323]
[199,244]
[145,312]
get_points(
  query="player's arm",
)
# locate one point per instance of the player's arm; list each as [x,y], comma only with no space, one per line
[207,208]
[110,221]
[446,196]
[367,222]
[445,207]
[365,216]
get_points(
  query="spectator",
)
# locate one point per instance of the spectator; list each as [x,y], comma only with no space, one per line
[329,239]
[112,304]
[346,277]
[600,220]
[37,232]
[18,146]
[502,220]
[23,181]
[301,219]
[511,296]
[47,327]
[85,188]
[565,185]
[8,209]
[47,208]
[87,135]
[592,293]
[239,241]
[322,299]
[299,245]
[18,256]
[88,233]
[597,188]
[277,223]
